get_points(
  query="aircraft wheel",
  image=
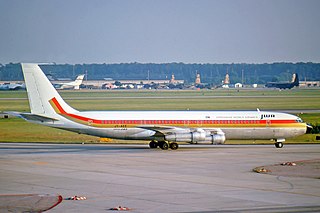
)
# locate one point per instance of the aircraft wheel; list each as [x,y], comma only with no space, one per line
[174,146]
[153,144]
[164,145]
[278,144]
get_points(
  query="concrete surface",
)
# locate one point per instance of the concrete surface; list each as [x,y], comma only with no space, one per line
[304,168]
[190,179]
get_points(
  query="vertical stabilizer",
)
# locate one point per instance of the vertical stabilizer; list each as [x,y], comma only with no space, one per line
[41,91]
[295,79]
[78,81]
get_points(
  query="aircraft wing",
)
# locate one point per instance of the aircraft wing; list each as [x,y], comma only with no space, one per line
[168,130]
[165,130]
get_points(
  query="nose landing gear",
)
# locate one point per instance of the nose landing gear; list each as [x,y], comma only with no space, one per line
[278,143]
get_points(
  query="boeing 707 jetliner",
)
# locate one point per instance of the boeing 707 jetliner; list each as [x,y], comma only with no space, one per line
[163,128]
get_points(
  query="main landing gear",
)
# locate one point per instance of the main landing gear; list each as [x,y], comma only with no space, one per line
[164,145]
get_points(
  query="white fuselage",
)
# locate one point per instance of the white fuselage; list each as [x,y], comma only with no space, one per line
[235,124]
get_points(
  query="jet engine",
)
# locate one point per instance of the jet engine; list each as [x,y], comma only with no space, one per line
[218,138]
[198,136]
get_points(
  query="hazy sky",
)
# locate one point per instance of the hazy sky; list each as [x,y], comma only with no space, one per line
[189,31]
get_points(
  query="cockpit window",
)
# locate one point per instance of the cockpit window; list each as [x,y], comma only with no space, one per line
[299,120]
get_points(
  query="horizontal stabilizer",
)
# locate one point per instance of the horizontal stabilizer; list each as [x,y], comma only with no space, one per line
[32,117]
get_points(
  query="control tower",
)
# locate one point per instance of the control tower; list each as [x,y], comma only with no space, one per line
[198,80]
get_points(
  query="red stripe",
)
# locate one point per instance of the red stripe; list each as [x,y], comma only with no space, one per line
[179,122]
[56,103]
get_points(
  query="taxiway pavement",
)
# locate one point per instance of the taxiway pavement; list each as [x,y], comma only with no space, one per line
[190,179]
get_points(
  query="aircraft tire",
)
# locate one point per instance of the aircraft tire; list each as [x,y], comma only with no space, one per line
[279,145]
[153,144]
[164,145]
[174,146]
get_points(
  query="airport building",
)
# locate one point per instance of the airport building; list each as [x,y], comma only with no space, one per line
[129,84]
[309,83]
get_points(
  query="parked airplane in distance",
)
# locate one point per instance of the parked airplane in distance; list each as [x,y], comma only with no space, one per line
[10,86]
[285,85]
[163,128]
[70,85]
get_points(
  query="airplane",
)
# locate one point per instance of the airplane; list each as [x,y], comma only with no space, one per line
[164,129]
[11,86]
[70,85]
[285,85]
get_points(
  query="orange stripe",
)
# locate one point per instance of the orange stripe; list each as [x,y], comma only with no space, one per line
[182,123]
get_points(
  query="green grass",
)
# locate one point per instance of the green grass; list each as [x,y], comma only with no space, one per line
[312,118]
[176,100]
[17,130]
[235,103]
[315,92]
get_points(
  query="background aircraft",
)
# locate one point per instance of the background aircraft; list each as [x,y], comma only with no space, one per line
[163,128]
[10,86]
[70,85]
[285,85]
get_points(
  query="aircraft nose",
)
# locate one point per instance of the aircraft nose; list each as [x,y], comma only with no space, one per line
[309,128]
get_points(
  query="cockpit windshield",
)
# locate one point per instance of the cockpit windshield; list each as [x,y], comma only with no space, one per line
[299,120]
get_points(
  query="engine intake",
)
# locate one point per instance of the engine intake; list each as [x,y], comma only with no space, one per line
[218,139]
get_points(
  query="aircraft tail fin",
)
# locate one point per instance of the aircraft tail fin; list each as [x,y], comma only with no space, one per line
[295,79]
[78,81]
[41,92]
